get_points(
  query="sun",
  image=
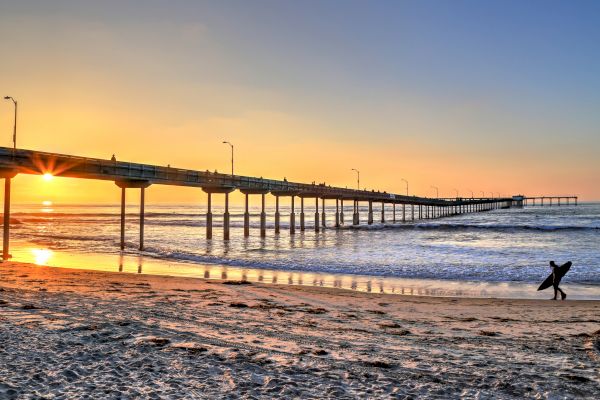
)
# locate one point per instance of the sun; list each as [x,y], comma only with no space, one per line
[48,176]
[46,203]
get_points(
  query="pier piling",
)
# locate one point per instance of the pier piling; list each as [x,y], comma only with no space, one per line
[292,218]
[263,217]
[6,232]
[226,218]
[302,222]
[142,205]
[209,216]
[277,215]
[246,216]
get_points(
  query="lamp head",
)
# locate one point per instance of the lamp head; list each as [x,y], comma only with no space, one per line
[7,97]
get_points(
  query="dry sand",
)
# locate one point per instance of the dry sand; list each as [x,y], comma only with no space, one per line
[68,333]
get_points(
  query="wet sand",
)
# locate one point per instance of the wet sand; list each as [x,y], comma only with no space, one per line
[86,334]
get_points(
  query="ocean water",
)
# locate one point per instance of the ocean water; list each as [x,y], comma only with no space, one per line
[499,247]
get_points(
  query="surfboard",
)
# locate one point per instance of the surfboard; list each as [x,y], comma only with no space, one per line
[560,271]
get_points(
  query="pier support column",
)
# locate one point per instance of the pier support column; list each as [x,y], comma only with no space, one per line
[226,218]
[142,204]
[263,217]
[337,213]
[420,211]
[246,217]
[277,216]
[394,213]
[316,214]
[122,218]
[342,211]
[382,212]
[355,216]
[292,218]
[412,211]
[6,233]
[370,217]
[302,222]
[323,212]
[209,217]
[403,212]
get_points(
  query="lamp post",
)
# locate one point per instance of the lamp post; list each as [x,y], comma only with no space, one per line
[405,181]
[437,192]
[225,142]
[357,177]
[456,193]
[471,193]
[15,125]
[482,194]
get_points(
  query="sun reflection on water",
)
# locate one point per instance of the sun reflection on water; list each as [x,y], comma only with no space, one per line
[41,256]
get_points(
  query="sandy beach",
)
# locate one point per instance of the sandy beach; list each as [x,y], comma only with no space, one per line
[67,333]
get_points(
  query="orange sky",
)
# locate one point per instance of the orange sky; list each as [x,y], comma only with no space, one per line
[170,85]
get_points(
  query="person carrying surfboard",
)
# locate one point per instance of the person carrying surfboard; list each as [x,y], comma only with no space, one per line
[554,279]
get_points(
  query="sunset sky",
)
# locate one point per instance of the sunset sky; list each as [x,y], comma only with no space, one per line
[499,97]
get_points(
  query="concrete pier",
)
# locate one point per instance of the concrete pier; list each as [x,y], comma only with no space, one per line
[142,204]
[209,220]
[302,222]
[277,216]
[316,214]
[133,175]
[226,218]
[263,217]
[355,214]
[6,234]
[292,217]
[122,218]
[246,216]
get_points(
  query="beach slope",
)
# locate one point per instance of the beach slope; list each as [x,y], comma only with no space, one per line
[78,333]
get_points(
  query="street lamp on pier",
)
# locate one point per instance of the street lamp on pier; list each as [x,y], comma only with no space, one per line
[437,192]
[357,177]
[15,122]
[225,142]
[405,181]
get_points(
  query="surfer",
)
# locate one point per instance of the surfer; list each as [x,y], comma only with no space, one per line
[557,275]
[554,278]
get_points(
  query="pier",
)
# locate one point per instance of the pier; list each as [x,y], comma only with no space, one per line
[550,201]
[127,175]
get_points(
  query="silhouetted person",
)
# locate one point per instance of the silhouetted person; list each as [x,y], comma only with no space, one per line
[113,158]
[556,277]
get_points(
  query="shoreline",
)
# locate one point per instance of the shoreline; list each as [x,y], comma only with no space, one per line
[149,265]
[78,332]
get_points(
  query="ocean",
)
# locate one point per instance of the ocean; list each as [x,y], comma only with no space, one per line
[502,253]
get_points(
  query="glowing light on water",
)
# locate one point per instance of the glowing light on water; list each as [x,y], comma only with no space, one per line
[41,256]
[47,176]
[46,203]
